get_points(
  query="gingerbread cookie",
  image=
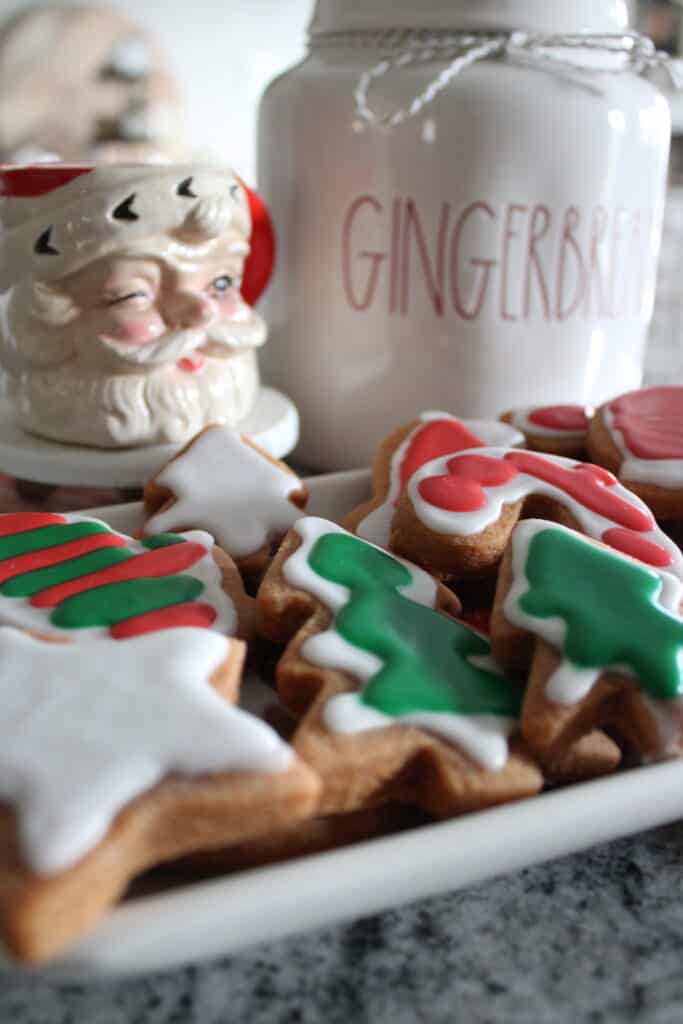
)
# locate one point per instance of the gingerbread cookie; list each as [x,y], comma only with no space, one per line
[639,437]
[457,512]
[402,701]
[553,429]
[68,574]
[602,635]
[223,483]
[118,756]
[407,448]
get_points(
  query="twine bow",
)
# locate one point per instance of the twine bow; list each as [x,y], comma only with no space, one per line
[546,52]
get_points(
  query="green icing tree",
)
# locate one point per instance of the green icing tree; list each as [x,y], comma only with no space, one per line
[425,655]
[609,605]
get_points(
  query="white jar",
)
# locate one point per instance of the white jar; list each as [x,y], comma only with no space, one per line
[497,249]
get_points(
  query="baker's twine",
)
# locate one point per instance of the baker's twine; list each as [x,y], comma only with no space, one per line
[462,50]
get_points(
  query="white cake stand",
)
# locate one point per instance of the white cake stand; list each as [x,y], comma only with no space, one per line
[273,423]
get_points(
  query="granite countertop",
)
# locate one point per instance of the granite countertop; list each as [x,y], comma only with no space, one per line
[596,937]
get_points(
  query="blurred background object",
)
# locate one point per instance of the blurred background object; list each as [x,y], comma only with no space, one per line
[107,74]
[84,82]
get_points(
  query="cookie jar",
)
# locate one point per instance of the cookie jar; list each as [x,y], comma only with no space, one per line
[468,201]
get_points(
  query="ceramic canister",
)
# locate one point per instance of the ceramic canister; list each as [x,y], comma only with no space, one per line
[489,240]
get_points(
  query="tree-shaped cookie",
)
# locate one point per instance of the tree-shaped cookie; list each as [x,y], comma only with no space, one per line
[601,634]
[457,512]
[118,756]
[224,483]
[401,701]
[75,576]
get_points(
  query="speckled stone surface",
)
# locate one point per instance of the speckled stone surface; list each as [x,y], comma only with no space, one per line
[596,937]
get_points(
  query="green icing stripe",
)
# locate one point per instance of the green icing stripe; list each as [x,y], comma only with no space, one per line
[609,605]
[46,537]
[425,655]
[162,540]
[30,583]
[116,602]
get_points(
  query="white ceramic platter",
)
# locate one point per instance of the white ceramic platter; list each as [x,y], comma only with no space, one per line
[273,423]
[209,919]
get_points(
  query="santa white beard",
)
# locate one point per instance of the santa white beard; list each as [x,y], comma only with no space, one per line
[166,405]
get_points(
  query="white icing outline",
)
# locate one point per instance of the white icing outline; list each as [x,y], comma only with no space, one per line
[21,614]
[223,485]
[376,526]
[86,728]
[467,524]
[662,472]
[483,737]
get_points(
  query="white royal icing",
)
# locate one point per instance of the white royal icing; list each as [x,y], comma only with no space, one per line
[662,472]
[520,419]
[376,526]
[569,683]
[466,524]
[483,737]
[20,613]
[87,728]
[223,485]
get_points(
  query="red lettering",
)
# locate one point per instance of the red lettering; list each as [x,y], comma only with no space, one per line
[572,220]
[595,273]
[393,270]
[478,262]
[375,258]
[541,213]
[508,234]
[433,278]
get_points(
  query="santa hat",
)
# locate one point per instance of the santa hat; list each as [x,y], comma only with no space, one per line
[57,218]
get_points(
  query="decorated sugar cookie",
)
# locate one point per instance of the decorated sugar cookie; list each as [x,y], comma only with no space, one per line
[117,757]
[223,483]
[457,512]
[603,635]
[402,453]
[67,574]
[388,680]
[639,437]
[554,429]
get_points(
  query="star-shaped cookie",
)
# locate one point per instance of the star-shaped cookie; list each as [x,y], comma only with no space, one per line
[117,756]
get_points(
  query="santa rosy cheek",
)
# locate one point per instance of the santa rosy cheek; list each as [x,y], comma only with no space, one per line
[138,332]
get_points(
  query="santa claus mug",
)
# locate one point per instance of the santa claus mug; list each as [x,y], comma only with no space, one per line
[468,198]
[126,300]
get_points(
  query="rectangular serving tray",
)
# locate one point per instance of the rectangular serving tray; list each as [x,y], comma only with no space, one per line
[204,920]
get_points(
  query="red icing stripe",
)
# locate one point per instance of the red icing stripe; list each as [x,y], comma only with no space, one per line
[560,417]
[587,484]
[21,522]
[159,562]
[637,547]
[61,553]
[187,614]
[651,422]
[432,440]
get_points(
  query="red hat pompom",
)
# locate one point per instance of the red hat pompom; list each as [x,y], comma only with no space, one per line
[261,259]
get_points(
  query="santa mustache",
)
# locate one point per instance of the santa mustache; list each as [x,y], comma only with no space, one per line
[220,340]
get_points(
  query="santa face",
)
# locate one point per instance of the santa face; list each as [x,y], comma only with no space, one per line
[149,345]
